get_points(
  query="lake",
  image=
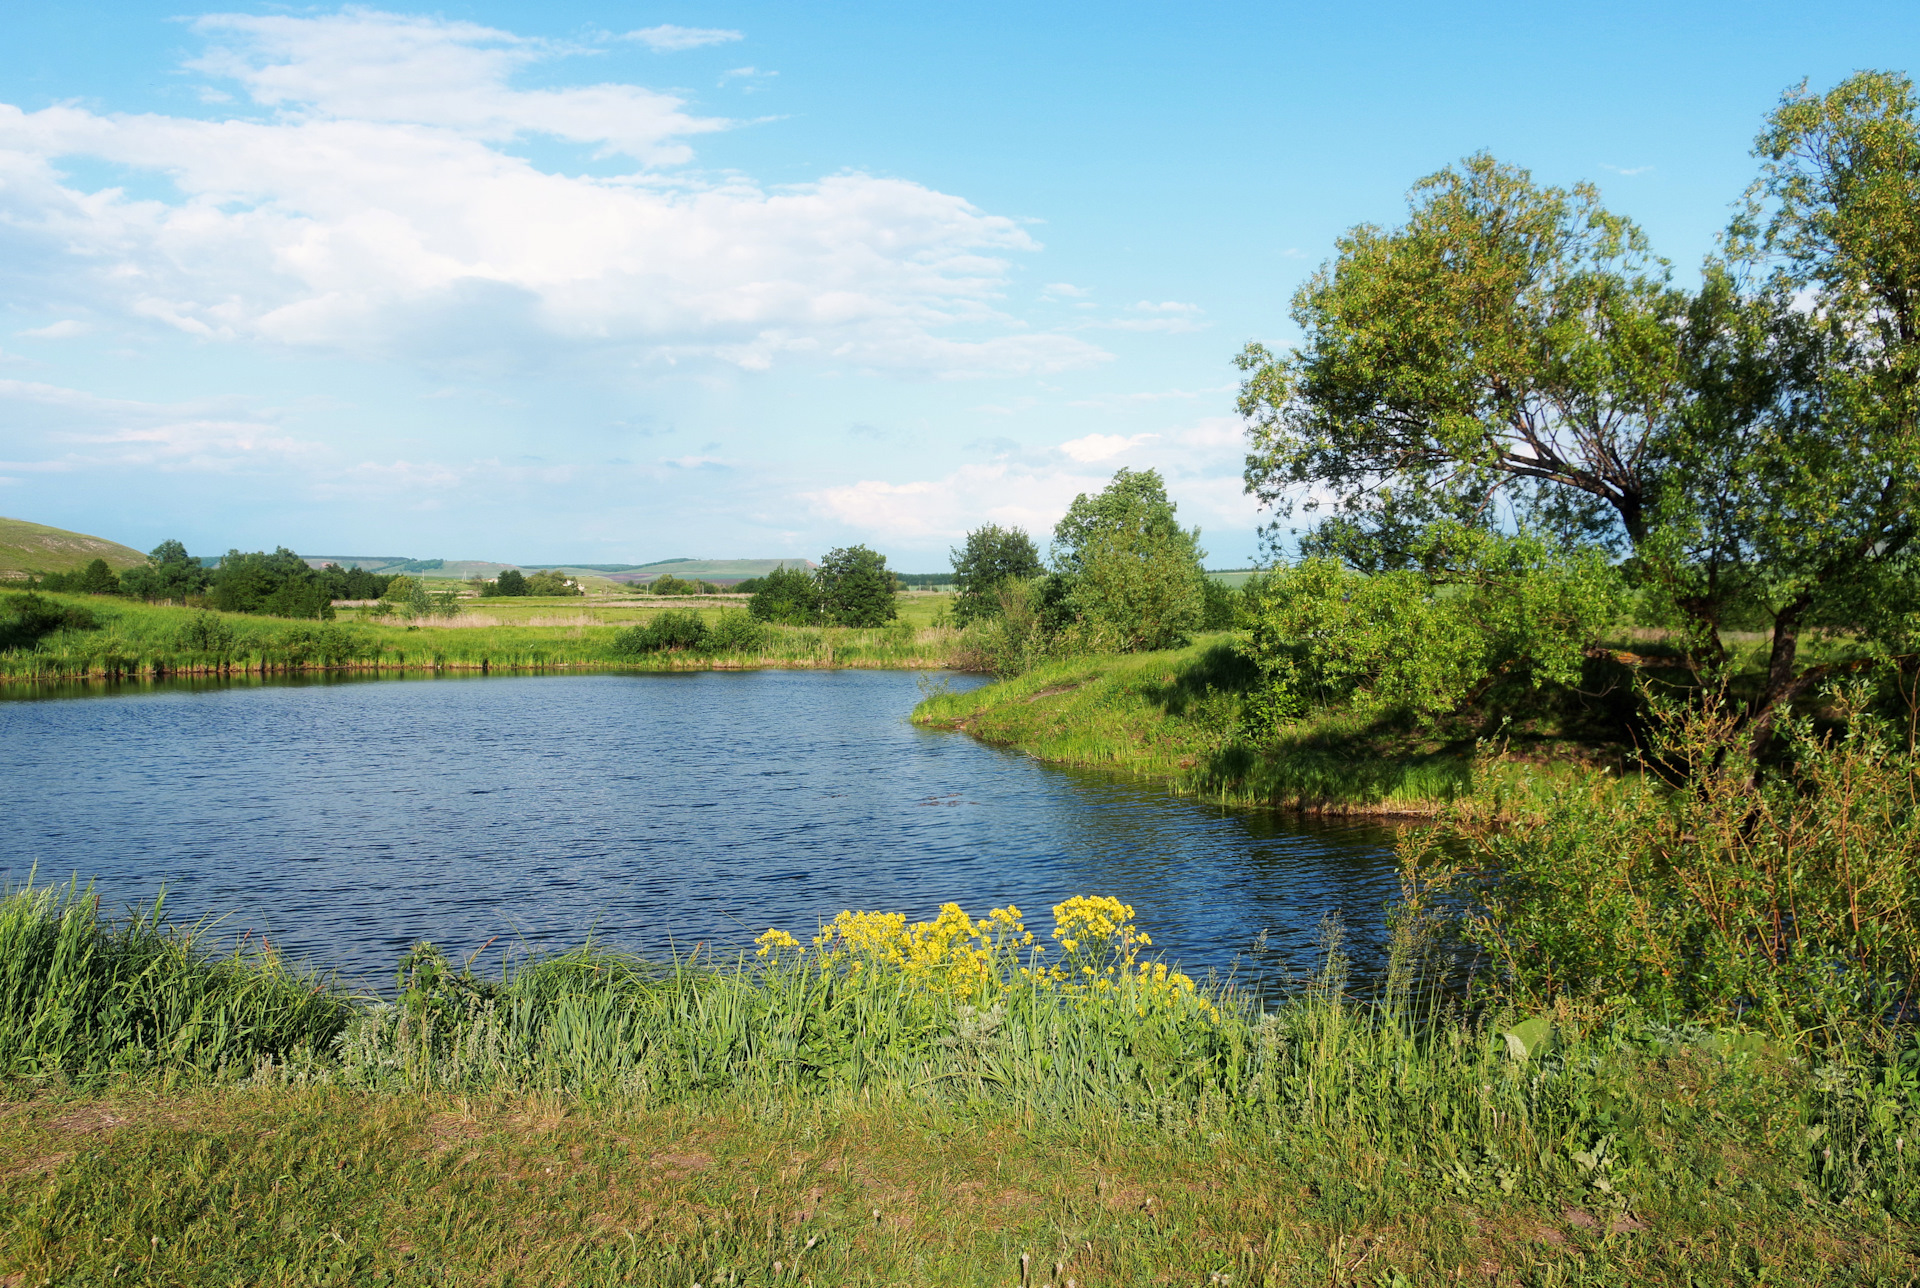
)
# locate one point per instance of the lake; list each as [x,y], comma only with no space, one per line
[346,818]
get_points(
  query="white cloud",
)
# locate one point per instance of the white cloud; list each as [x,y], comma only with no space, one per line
[1627,171]
[64,329]
[1169,317]
[1200,461]
[1101,447]
[375,210]
[1066,290]
[669,39]
[86,431]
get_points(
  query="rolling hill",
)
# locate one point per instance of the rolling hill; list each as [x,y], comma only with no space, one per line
[35,547]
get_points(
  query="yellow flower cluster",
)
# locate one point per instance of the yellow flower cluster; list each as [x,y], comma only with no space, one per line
[958,956]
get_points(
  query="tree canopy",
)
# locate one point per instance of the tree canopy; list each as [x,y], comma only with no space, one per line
[1514,357]
[855,588]
[787,597]
[1133,574]
[992,556]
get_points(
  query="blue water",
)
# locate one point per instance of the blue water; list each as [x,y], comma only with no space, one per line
[347,818]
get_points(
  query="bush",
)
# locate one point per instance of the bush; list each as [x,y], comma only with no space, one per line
[510,584]
[735,631]
[787,596]
[993,555]
[674,631]
[1791,898]
[27,619]
[1408,643]
[672,585]
[206,633]
[551,582]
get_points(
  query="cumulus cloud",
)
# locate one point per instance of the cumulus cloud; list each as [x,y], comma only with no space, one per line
[1101,447]
[1200,461]
[372,205]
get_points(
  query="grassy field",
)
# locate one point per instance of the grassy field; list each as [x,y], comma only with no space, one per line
[147,641]
[34,547]
[173,1116]
[1175,717]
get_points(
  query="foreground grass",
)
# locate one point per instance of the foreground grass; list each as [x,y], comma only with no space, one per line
[172,1116]
[324,1186]
[152,641]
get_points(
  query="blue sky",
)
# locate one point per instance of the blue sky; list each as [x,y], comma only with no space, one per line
[614,283]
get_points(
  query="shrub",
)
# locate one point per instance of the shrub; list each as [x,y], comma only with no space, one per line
[205,633]
[735,631]
[993,555]
[1426,643]
[552,582]
[511,583]
[788,596]
[671,631]
[1790,897]
[27,619]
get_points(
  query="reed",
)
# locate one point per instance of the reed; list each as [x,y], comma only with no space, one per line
[87,997]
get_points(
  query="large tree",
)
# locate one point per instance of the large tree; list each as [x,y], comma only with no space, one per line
[1132,574]
[855,588]
[1513,354]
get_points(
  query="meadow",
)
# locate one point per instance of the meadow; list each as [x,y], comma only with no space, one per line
[894,1103]
[152,641]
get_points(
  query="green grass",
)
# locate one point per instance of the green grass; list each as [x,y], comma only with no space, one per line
[1175,717]
[145,641]
[34,547]
[595,1119]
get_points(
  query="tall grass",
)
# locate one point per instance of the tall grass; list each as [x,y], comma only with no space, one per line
[84,996]
[1614,1112]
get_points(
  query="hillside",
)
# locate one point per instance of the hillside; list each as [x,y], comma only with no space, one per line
[34,547]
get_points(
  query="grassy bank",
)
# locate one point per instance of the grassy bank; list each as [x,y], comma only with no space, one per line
[854,1115]
[1176,717]
[150,641]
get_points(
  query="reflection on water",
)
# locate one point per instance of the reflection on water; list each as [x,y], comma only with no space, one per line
[346,819]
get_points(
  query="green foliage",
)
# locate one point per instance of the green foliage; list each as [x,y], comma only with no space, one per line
[855,588]
[549,581]
[787,597]
[1514,350]
[278,585]
[671,631]
[87,997]
[97,578]
[27,619]
[1133,575]
[992,555]
[1220,606]
[207,635]
[170,573]
[1789,899]
[736,631]
[1425,643]
[511,583]
[668,584]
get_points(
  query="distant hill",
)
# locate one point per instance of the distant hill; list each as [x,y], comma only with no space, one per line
[34,547]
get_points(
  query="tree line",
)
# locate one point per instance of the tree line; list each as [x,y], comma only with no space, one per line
[281,584]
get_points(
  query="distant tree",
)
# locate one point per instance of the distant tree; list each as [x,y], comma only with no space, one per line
[748,587]
[511,583]
[98,579]
[550,582]
[787,596]
[280,584]
[1133,574]
[992,555]
[169,573]
[668,584]
[855,588]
